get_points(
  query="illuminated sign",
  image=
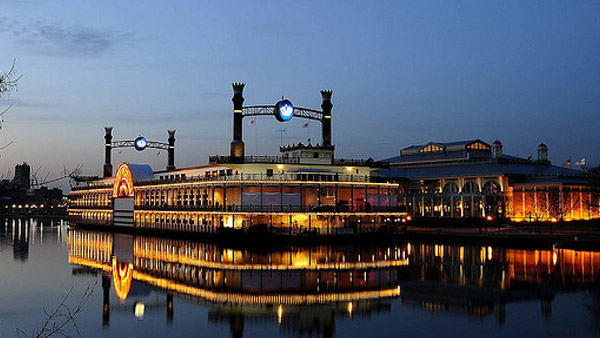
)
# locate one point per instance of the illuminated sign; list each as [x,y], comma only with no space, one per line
[140,143]
[123,186]
[284,110]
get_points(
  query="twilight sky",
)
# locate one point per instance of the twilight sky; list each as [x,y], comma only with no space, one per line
[403,72]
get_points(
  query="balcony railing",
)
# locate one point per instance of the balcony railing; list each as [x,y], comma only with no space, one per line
[276,208]
[295,160]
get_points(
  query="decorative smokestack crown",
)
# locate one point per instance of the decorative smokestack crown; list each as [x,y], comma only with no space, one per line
[171,132]
[108,129]
[238,88]
[326,95]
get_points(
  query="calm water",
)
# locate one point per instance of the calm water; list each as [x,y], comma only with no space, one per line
[148,286]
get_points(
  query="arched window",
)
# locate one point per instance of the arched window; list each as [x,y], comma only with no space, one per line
[470,188]
[450,188]
[491,188]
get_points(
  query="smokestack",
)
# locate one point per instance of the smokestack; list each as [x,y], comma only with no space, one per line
[237,145]
[171,161]
[108,168]
[326,123]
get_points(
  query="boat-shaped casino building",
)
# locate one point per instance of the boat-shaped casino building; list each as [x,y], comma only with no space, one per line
[305,190]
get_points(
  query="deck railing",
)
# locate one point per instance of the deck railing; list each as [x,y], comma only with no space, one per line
[284,177]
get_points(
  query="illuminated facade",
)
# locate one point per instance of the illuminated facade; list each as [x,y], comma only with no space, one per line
[475,179]
[308,190]
[305,190]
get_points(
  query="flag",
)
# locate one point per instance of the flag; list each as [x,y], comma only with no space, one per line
[567,163]
[580,162]
[251,122]
[306,125]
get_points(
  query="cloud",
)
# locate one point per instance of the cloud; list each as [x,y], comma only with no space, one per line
[75,41]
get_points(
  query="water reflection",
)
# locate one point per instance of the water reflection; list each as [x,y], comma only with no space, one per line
[304,289]
[17,233]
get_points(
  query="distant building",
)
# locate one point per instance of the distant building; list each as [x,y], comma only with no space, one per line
[22,177]
[475,179]
[17,196]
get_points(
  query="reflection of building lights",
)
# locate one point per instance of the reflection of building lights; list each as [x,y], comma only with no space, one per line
[122,278]
[350,309]
[408,248]
[279,313]
[139,310]
[554,258]
[489,253]
[461,253]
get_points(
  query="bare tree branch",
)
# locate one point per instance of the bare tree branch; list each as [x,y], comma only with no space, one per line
[61,317]
[8,80]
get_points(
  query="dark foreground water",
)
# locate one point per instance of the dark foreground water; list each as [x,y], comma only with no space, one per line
[153,287]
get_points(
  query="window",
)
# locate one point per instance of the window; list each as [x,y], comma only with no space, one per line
[450,188]
[431,148]
[478,146]
[269,172]
[470,188]
[316,155]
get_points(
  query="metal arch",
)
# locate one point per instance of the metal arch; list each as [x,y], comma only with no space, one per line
[131,144]
[306,113]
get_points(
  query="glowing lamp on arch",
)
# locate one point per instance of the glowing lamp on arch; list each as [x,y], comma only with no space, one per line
[284,110]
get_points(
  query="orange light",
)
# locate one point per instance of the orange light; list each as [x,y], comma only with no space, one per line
[489,218]
[408,218]
[123,186]
[554,220]
[122,277]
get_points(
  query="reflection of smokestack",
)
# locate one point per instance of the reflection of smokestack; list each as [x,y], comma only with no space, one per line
[237,145]
[326,123]
[105,300]
[171,162]
[107,170]
[236,325]
[169,308]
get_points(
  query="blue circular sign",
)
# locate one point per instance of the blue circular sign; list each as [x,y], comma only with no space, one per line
[140,143]
[284,110]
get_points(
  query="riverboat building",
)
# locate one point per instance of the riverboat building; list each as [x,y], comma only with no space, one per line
[305,190]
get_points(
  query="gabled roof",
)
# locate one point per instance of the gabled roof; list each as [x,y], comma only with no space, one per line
[446,147]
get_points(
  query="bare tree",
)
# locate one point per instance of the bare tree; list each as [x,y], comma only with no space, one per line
[61,318]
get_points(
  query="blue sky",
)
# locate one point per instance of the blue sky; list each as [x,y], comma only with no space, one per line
[403,72]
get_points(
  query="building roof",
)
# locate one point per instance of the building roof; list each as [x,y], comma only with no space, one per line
[482,168]
[140,172]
